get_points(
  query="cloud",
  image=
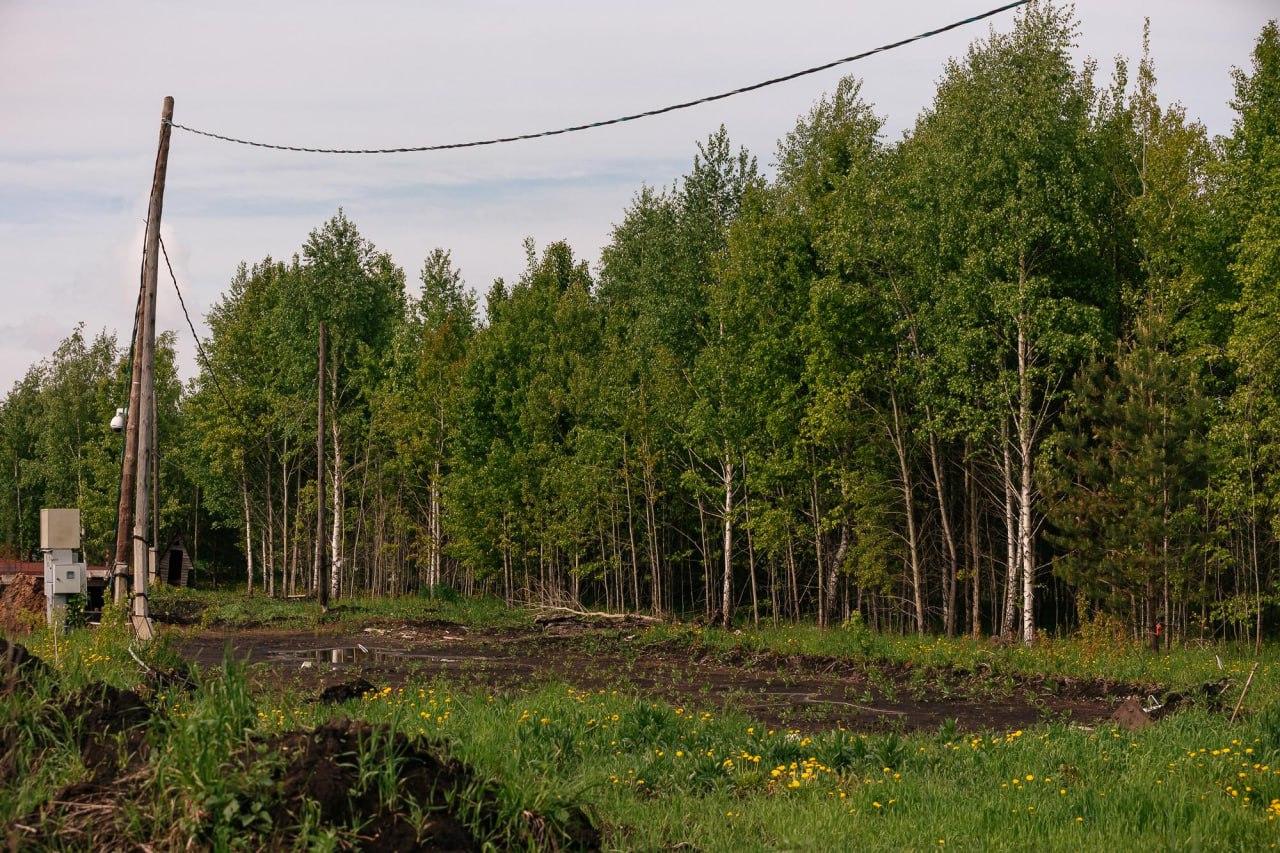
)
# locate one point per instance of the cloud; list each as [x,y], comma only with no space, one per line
[81,85]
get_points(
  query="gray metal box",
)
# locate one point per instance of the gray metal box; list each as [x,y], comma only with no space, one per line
[59,528]
[61,576]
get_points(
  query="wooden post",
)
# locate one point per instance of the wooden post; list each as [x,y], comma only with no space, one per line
[153,555]
[124,509]
[139,610]
[322,564]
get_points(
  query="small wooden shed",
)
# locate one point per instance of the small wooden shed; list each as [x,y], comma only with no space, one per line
[174,564]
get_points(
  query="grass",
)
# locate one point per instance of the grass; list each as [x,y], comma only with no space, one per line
[223,609]
[1106,659]
[660,776]
[656,776]
[206,780]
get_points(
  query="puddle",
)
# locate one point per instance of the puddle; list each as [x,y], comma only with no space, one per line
[358,654]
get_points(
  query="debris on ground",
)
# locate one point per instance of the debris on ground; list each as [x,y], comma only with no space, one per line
[1135,713]
[22,604]
[1210,695]
[562,620]
[347,690]
[1131,715]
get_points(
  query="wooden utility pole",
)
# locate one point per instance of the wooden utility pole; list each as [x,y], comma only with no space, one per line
[322,564]
[140,614]
[124,509]
[153,568]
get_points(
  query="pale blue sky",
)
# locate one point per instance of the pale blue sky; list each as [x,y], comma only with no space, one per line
[81,85]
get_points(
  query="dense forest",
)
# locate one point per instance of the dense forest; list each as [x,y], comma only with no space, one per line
[1017,370]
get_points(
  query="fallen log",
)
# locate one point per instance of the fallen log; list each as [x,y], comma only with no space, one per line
[552,615]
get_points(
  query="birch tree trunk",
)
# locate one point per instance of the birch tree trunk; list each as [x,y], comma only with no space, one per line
[975,553]
[631,527]
[435,562]
[248,533]
[726,592]
[818,551]
[269,542]
[706,558]
[286,582]
[1025,533]
[948,538]
[651,532]
[1013,558]
[335,537]
[833,569]
[751,550]
[898,437]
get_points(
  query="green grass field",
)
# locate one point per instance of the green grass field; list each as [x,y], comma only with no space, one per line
[655,776]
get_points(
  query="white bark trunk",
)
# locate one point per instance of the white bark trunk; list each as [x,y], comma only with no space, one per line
[1026,545]
[726,597]
[435,563]
[1013,555]
[949,582]
[248,533]
[335,537]
[908,501]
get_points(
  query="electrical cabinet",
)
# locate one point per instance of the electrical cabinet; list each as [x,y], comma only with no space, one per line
[59,529]
[63,576]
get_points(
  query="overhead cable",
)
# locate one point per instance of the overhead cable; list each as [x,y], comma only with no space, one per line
[208,365]
[499,140]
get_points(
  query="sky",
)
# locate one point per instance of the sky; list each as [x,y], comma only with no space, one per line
[81,86]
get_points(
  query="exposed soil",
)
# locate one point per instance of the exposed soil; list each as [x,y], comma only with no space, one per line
[22,604]
[18,667]
[431,802]
[802,692]
[322,771]
[109,726]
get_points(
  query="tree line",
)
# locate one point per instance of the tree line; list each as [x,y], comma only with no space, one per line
[1015,370]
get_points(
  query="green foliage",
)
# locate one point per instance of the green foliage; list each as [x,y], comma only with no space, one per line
[1007,371]
[58,447]
[657,776]
[1125,473]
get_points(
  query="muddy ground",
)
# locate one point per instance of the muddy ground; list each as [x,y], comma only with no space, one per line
[795,691]
[440,804]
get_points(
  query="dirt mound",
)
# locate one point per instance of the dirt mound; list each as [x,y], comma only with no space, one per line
[398,794]
[322,771]
[19,670]
[109,725]
[106,723]
[21,604]
[18,667]
[336,693]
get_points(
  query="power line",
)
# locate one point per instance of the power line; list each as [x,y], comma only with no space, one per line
[620,119]
[208,365]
